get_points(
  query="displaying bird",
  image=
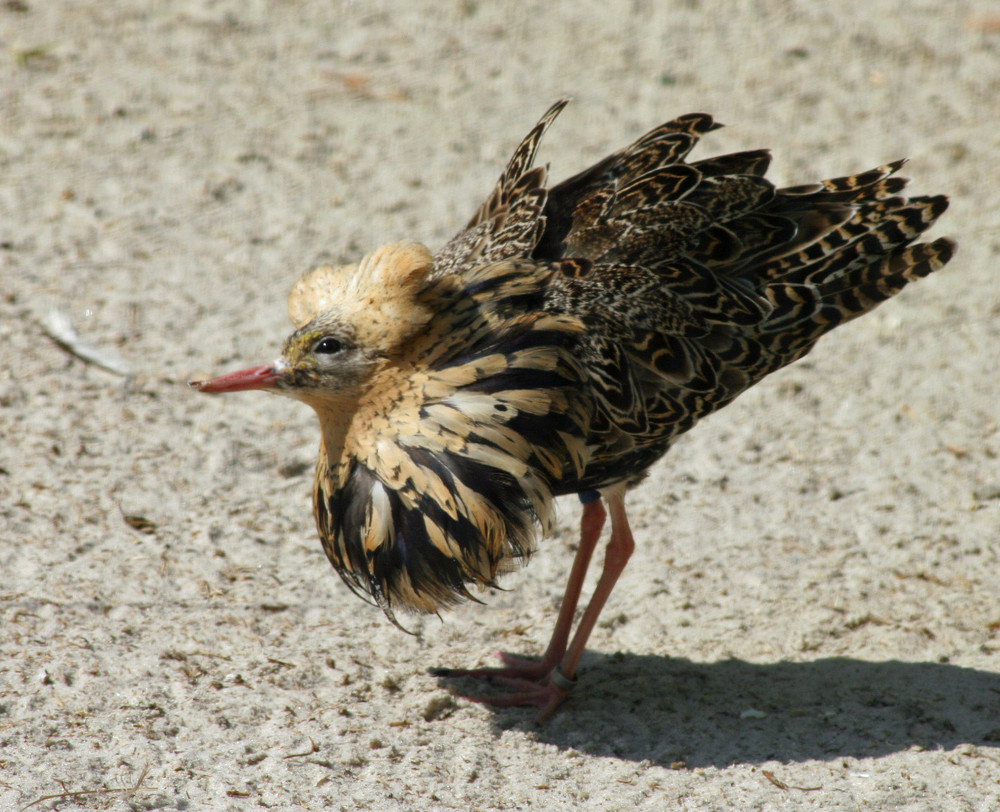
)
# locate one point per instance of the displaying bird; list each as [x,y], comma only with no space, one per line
[558,345]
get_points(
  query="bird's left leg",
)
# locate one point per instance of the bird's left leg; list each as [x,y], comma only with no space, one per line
[591,525]
[550,692]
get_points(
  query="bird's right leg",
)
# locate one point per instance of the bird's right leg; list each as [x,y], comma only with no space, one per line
[591,525]
[551,691]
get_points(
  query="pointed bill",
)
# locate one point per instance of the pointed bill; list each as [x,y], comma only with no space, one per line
[262,377]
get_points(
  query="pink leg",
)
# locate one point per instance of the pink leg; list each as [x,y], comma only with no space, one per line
[619,551]
[550,690]
[591,525]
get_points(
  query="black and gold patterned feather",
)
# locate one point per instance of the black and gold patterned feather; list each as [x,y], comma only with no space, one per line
[559,344]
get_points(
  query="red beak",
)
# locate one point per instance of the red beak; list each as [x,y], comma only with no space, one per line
[264,377]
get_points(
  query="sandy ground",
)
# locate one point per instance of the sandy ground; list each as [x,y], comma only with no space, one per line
[811,620]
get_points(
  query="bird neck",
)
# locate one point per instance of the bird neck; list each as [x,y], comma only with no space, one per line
[335,419]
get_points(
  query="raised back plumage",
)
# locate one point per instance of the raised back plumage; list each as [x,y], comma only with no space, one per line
[559,344]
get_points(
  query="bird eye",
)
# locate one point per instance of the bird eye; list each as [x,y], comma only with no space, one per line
[328,346]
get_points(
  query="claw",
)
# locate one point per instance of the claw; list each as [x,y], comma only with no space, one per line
[527,683]
[546,696]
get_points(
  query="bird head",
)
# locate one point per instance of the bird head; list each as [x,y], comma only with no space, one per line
[350,321]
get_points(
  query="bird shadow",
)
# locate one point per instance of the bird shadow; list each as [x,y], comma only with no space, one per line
[674,711]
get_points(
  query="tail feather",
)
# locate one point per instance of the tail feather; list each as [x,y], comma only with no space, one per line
[873,230]
[753,162]
[803,311]
[857,292]
[847,187]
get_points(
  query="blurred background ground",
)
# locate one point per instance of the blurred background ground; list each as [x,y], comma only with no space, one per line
[811,617]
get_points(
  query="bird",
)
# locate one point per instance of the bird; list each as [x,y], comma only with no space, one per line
[559,344]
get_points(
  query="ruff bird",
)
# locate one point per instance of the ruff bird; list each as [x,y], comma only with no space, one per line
[558,345]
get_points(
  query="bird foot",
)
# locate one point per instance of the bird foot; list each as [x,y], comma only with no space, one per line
[525,693]
[528,683]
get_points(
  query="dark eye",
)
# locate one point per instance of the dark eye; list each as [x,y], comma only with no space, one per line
[328,346]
